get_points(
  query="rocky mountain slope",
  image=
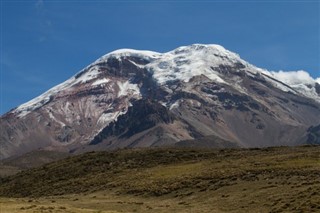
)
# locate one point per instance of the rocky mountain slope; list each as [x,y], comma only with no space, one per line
[131,98]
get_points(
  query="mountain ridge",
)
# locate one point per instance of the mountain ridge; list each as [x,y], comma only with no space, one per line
[207,90]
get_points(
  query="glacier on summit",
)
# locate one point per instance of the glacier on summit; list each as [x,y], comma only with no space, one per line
[182,63]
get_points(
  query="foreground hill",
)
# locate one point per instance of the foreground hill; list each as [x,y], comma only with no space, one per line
[171,180]
[132,98]
[29,160]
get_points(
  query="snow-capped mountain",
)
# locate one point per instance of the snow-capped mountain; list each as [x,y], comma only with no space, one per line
[132,98]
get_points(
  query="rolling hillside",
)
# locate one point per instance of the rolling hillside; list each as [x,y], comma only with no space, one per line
[171,180]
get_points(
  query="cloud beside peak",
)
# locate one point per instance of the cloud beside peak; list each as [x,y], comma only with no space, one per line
[295,77]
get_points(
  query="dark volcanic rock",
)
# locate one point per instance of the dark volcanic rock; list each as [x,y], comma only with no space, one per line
[313,135]
[142,115]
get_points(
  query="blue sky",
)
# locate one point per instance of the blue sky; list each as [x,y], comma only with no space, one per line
[44,42]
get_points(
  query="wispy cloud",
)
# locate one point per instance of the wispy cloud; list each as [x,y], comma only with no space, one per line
[295,77]
[39,4]
[45,23]
[14,69]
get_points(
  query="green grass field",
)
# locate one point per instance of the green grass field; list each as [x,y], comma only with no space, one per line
[283,179]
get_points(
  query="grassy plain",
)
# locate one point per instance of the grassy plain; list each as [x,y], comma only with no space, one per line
[282,179]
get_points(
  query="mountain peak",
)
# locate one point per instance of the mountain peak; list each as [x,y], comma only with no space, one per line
[209,49]
[180,64]
[145,54]
[203,89]
[202,47]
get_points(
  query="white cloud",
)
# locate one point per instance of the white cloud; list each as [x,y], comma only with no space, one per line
[318,80]
[295,77]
